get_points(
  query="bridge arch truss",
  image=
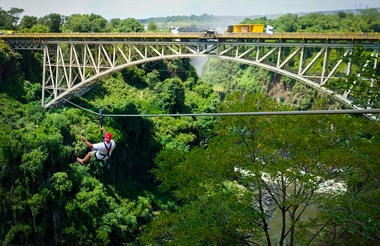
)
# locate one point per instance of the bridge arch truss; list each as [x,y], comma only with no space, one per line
[70,67]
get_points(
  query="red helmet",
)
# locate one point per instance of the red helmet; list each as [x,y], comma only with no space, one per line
[108,137]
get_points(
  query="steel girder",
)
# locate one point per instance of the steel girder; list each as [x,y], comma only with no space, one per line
[69,67]
[25,45]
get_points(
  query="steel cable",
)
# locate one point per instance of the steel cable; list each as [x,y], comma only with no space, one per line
[267,113]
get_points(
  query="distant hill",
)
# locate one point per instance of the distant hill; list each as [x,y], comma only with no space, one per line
[195,23]
[205,21]
[331,12]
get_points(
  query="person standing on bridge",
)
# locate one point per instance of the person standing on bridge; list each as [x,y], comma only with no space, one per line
[102,151]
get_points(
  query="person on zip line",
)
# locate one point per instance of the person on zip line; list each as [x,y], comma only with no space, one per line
[102,151]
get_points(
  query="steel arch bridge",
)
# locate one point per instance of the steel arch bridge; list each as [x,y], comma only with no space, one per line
[73,62]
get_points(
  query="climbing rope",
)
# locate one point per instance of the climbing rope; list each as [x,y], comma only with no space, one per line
[303,112]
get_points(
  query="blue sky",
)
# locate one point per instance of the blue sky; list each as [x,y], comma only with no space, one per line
[158,8]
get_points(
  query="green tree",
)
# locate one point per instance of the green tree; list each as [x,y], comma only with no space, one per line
[52,21]
[98,215]
[77,23]
[36,29]
[352,218]
[32,163]
[286,23]
[261,20]
[152,78]
[3,17]
[32,91]
[372,19]
[171,95]
[214,209]
[28,21]
[130,25]
[152,27]
[281,163]
[38,204]
[134,76]
[364,81]
[10,18]
[98,23]
[61,184]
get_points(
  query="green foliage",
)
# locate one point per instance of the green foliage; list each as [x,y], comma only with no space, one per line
[96,215]
[126,92]
[302,96]
[186,21]
[171,95]
[214,219]
[32,163]
[98,23]
[77,23]
[250,81]
[367,21]
[152,78]
[372,18]
[228,77]
[11,80]
[53,21]
[152,27]
[19,234]
[9,19]
[33,91]
[60,183]
[364,82]
[352,218]
[41,152]
[39,29]
[221,72]
[127,25]
[177,68]
[134,76]
[261,20]
[286,23]
[288,159]
[85,23]
[28,21]
[209,203]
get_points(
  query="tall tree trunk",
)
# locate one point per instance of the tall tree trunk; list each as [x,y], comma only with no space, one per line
[283,215]
[265,224]
[292,226]
[283,210]
[56,226]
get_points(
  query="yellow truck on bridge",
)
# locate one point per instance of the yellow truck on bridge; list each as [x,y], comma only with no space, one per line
[246,28]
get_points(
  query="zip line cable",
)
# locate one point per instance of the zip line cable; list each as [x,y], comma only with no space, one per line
[304,112]
[76,105]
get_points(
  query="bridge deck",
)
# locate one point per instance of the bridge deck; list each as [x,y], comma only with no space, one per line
[350,37]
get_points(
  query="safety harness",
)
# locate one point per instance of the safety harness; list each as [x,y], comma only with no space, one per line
[108,151]
[101,133]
